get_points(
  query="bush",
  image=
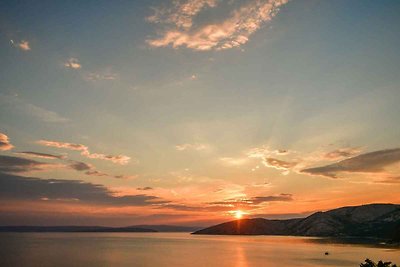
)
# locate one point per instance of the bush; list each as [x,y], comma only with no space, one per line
[370,263]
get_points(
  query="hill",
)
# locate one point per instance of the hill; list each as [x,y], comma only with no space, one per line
[72,229]
[373,220]
[135,228]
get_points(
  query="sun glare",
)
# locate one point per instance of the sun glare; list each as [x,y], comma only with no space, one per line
[238,214]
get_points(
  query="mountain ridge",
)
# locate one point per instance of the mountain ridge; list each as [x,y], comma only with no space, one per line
[73,229]
[99,229]
[376,220]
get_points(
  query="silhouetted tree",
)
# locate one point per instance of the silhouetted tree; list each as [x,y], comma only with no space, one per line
[370,263]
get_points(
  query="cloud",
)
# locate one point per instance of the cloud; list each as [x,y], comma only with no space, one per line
[91,170]
[342,153]
[234,161]
[28,189]
[40,155]
[5,142]
[373,162]
[281,197]
[234,31]
[193,208]
[101,76]
[96,173]
[389,180]
[72,63]
[254,201]
[264,151]
[15,103]
[144,188]
[80,166]
[118,159]
[125,176]
[23,45]
[20,165]
[296,161]
[69,146]
[181,14]
[196,146]
[278,164]
[268,159]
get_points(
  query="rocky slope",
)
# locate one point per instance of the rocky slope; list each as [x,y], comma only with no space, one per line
[374,220]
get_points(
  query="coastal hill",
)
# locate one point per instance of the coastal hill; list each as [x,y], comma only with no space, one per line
[373,220]
[73,229]
[99,229]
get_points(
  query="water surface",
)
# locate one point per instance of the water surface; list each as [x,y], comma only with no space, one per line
[178,249]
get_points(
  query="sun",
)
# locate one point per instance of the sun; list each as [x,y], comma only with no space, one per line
[238,214]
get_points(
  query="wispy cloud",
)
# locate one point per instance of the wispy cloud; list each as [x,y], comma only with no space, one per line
[342,153]
[23,45]
[90,170]
[389,180]
[70,146]
[266,151]
[28,189]
[40,155]
[118,159]
[181,13]
[16,103]
[80,166]
[194,146]
[105,75]
[279,164]
[254,201]
[21,165]
[267,156]
[233,31]
[145,188]
[11,164]
[234,161]
[373,162]
[72,63]
[5,142]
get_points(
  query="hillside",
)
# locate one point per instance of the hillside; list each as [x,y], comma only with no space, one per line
[373,220]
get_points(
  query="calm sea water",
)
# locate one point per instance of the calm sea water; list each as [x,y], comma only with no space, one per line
[178,249]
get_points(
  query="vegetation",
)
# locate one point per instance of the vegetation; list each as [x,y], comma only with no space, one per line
[370,263]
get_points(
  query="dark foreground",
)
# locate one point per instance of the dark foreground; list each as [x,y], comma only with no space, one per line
[375,222]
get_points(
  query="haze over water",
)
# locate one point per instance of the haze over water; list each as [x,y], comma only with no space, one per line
[178,249]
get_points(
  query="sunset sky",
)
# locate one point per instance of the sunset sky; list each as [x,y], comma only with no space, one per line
[183,112]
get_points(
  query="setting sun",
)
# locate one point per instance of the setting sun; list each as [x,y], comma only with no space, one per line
[238,214]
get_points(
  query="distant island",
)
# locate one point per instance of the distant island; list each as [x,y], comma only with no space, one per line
[380,221]
[99,229]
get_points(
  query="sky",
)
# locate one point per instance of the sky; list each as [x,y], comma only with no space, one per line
[186,111]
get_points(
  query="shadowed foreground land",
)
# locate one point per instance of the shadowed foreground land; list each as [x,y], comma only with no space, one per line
[375,222]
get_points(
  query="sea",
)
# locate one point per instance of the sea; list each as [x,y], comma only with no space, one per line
[181,249]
